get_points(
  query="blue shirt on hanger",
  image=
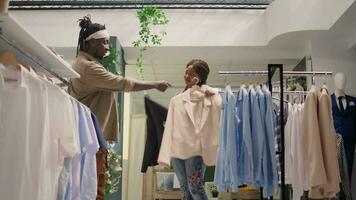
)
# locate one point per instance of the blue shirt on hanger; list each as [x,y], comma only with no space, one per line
[99,132]
[244,140]
[258,137]
[270,173]
[226,167]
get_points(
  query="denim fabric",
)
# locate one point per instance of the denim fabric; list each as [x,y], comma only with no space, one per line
[190,173]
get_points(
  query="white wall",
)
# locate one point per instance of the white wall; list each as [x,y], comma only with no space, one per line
[193,27]
[290,15]
[186,27]
[333,56]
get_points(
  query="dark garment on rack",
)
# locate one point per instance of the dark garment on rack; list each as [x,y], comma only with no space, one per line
[345,124]
[101,158]
[99,132]
[353,182]
[156,117]
[277,134]
[345,193]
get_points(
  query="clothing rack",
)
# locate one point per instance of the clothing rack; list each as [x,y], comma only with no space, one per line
[27,49]
[28,56]
[273,92]
[272,68]
[285,73]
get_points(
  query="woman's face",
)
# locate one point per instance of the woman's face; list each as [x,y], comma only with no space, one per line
[190,77]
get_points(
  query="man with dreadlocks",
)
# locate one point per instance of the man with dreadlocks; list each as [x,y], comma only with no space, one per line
[96,86]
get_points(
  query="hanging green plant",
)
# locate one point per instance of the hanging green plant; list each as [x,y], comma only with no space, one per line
[151,32]
[110,61]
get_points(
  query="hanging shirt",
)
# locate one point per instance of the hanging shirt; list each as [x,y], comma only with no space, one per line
[258,136]
[156,117]
[65,180]
[95,88]
[344,123]
[244,140]
[99,132]
[61,140]
[296,152]
[288,144]
[84,179]
[41,144]
[16,163]
[269,162]
[89,173]
[32,139]
[226,165]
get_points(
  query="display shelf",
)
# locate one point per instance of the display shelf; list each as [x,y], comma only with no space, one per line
[15,38]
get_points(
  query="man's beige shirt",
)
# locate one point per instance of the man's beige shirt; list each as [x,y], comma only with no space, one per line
[95,88]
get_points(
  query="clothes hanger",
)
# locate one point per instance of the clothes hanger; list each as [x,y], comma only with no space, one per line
[196,88]
[227,83]
[10,59]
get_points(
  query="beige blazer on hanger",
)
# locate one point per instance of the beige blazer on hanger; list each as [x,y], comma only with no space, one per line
[183,137]
[329,149]
[315,172]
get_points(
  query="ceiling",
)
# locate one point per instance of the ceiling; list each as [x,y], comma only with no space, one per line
[127,4]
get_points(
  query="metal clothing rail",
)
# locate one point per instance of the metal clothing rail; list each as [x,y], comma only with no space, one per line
[221,90]
[285,73]
[272,68]
[28,56]
[290,92]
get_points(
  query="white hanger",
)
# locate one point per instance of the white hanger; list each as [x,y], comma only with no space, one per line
[195,87]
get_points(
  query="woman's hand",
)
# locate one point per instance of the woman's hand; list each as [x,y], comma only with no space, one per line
[162,85]
[208,93]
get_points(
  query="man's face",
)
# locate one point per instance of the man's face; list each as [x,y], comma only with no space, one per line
[99,46]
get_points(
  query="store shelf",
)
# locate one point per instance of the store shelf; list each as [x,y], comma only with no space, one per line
[20,40]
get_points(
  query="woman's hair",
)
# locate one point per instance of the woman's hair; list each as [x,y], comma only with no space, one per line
[87,28]
[201,68]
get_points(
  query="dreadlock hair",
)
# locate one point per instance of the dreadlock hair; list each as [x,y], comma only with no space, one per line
[87,28]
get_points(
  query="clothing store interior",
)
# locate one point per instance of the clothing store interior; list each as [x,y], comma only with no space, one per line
[193,100]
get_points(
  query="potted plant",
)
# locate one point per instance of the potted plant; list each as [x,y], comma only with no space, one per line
[214,191]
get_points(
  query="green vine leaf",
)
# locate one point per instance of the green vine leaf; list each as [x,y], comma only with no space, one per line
[151,19]
[110,61]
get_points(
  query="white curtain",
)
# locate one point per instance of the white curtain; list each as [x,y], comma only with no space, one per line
[136,150]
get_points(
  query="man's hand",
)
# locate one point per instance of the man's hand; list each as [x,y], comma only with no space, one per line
[162,85]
